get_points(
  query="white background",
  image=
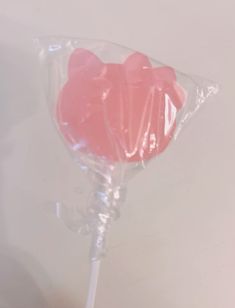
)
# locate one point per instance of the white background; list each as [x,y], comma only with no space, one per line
[174,246]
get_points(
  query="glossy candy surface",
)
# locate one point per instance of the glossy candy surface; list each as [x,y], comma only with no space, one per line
[121,112]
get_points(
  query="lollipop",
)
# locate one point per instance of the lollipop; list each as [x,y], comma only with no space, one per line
[119,114]
[114,116]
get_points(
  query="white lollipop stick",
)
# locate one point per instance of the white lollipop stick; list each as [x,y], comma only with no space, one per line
[94,276]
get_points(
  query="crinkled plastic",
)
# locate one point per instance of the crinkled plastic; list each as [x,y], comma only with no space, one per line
[115,109]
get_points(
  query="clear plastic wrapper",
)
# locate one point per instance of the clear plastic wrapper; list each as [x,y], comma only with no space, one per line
[115,109]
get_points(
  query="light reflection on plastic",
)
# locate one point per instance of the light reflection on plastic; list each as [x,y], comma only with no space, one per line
[153,141]
[170,114]
[54,48]
[80,145]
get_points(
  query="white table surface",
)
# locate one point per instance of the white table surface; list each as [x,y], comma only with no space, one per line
[174,246]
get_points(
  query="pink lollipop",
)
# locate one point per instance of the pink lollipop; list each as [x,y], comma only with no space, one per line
[120,113]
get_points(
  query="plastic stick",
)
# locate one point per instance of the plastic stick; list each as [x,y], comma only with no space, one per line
[94,276]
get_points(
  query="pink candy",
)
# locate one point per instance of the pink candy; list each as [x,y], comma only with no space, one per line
[121,112]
